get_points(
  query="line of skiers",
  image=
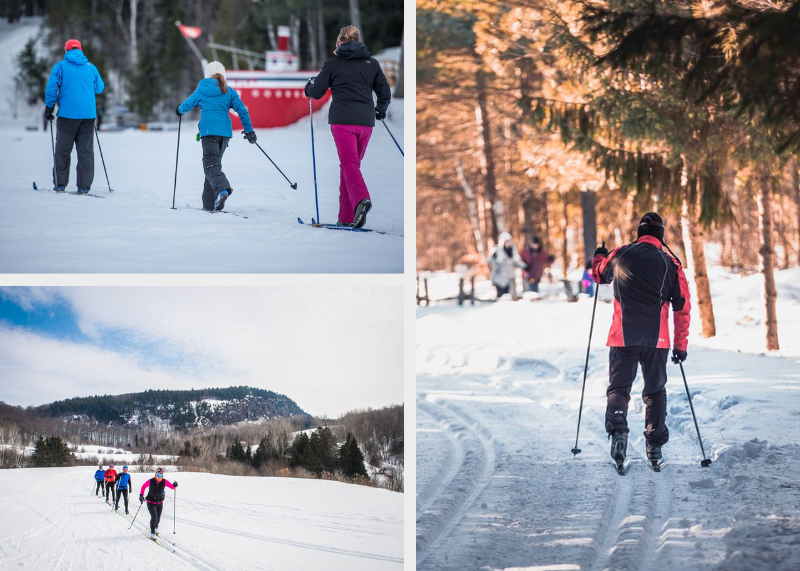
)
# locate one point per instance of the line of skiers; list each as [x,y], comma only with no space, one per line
[351,75]
[120,485]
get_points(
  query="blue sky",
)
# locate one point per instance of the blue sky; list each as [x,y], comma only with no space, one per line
[331,349]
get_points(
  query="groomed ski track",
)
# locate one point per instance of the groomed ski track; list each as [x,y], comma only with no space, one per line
[52,520]
[499,489]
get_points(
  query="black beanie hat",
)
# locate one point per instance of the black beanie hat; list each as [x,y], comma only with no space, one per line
[651,224]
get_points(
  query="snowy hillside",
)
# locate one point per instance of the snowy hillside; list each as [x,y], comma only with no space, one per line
[223,522]
[498,388]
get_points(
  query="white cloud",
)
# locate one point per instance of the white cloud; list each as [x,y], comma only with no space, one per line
[29,297]
[330,349]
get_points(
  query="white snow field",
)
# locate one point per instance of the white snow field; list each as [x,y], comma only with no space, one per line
[134,229]
[50,519]
[498,388]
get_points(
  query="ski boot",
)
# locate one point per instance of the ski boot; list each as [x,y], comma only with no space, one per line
[654,455]
[83,191]
[221,198]
[340,223]
[619,447]
[153,535]
[60,189]
[361,213]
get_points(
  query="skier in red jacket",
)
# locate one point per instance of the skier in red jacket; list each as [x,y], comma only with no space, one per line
[110,478]
[155,498]
[647,280]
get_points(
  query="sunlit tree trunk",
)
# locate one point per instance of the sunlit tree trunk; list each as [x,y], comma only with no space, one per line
[766,253]
[487,159]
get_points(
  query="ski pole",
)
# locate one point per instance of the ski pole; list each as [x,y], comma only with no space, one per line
[101,157]
[292,184]
[576,450]
[175,184]
[392,136]
[313,157]
[174,499]
[705,462]
[137,513]
[52,143]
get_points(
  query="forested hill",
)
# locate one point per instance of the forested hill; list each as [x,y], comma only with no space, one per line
[179,409]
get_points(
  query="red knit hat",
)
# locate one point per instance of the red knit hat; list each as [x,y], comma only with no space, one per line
[72,44]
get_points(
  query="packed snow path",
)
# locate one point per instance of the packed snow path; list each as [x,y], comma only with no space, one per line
[498,488]
[52,520]
[135,230]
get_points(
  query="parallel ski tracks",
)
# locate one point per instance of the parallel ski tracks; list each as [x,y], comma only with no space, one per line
[441,510]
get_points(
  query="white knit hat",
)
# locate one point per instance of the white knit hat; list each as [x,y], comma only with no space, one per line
[215,67]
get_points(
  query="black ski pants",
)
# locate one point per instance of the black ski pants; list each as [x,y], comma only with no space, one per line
[623,364]
[99,487]
[155,514]
[122,492]
[78,133]
[110,490]
[213,148]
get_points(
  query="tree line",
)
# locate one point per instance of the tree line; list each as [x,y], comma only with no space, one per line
[569,120]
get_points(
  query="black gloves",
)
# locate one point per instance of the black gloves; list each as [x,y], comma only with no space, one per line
[307,88]
[679,356]
[251,136]
[178,111]
[141,498]
[175,484]
[380,115]
[48,113]
[601,250]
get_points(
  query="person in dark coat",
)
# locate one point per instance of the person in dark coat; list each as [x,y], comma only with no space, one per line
[73,84]
[537,259]
[647,280]
[352,75]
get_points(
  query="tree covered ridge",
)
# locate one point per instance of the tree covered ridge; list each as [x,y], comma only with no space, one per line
[179,406]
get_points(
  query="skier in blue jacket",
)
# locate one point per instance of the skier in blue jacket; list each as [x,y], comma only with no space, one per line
[99,477]
[73,84]
[124,486]
[215,99]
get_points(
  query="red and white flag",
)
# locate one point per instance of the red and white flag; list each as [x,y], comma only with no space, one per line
[190,31]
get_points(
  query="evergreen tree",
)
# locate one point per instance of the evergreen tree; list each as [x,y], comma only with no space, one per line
[33,74]
[236,452]
[351,459]
[51,451]
[299,448]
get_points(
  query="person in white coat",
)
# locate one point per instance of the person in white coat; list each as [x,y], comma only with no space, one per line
[503,261]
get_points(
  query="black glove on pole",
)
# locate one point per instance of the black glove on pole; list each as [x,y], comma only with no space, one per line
[101,157]
[175,184]
[705,462]
[137,511]
[576,450]
[390,134]
[48,113]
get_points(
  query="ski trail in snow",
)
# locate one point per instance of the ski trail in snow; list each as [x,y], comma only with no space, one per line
[426,495]
[472,475]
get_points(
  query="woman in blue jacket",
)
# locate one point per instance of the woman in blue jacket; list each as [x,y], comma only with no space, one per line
[215,99]
[99,477]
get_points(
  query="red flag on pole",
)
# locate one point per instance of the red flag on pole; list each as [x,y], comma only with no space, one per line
[190,31]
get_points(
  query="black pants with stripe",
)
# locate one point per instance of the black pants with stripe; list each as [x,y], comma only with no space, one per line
[155,514]
[623,364]
[78,133]
[216,181]
[122,492]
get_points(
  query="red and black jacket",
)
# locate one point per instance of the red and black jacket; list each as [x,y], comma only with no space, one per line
[646,280]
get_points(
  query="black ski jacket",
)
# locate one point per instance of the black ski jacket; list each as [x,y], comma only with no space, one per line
[352,75]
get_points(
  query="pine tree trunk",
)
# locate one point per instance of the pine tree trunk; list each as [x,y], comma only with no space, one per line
[564,248]
[796,185]
[134,44]
[399,88]
[767,255]
[473,213]
[321,31]
[487,156]
[355,17]
[589,207]
[693,238]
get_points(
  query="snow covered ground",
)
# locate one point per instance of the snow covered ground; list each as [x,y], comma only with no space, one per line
[52,520]
[134,229]
[498,387]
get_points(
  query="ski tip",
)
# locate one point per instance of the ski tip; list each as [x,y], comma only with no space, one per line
[313,221]
[705,463]
[575,451]
[34,186]
[300,221]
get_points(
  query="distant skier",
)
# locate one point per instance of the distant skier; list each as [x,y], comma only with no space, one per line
[215,99]
[110,477]
[99,477]
[73,84]
[537,259]
[155,498]
[123,485]
[503,261]
[646,279]
[352,75]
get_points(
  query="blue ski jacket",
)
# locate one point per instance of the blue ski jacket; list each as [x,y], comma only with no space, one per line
[73,84]
[214,119]
[100,475]
[124,481]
